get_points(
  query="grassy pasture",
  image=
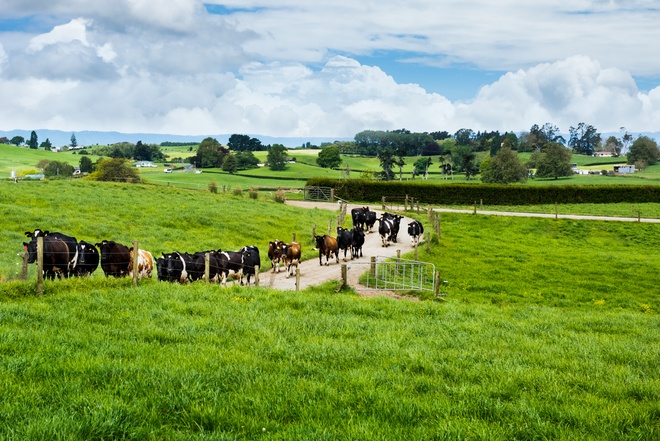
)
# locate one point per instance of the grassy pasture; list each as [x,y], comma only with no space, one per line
[545,330]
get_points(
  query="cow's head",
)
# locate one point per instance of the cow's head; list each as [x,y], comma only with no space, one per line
[320,241]
[31,248]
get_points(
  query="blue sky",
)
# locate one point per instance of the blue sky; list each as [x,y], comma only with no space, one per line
[298,68]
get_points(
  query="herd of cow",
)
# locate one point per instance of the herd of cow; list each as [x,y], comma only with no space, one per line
[64,256]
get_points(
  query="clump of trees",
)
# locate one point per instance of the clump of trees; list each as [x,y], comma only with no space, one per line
[503,168]
[329,157]
[277,156]
[114,169]
[643,152]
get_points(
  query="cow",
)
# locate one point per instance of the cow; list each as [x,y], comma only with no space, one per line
[415,230]
[71,243]
[275,254]
[326,245]
[88,259]
[358,215]
[55,256]
[115,258]
[230,261]
[370,220]
[358,241]
[345,240]
[176,266]
[385,230]
[161,269]
[291,253]
[251,261]
[145,263]
[396,222]
[195,265]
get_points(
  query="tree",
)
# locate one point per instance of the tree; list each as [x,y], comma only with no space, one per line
[246,160]
[644,151]
[386,163]
[17,140]
[626,141]
[400,161]
[57,169]
[584,139]
[431,149]
[86,165]
[329,157]
[243,143]
[47,145]
[33,143]
[276,157]
[74,142]
[464,160]
[141,152]
[230,164]
[464,137]
[4,140]
[421,167]
[553,161]
[613,144]
[503,168]
[114,169]
[210,153]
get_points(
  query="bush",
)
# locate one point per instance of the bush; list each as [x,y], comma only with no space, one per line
[280,196]
[238,191]
[254,194]
[213,187]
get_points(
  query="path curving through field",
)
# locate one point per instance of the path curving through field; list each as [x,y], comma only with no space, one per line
[313,274]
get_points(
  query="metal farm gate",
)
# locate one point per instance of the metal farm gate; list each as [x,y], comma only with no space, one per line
[392,274]
[318,194]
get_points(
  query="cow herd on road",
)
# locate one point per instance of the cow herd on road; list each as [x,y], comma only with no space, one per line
[64,256]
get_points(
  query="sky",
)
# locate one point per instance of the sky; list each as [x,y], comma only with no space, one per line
[297,68]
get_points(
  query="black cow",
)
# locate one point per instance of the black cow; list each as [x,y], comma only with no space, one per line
[370,220]
[358,241]
[230,261]
[251,261]
[176,266]
[161,269]
[326,245]
[88,259]
[55,256]
[115,258]
[415,230]
[359,216]
[345,240]
[71,243]
[196,265]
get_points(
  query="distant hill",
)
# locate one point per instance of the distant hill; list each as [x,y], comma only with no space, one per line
[60,138]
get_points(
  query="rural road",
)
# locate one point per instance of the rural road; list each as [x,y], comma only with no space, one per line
[312,274]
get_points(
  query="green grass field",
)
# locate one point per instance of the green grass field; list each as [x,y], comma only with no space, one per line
[544,330]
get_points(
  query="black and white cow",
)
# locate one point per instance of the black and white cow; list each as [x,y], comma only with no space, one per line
[358,215]
[358,241]
[88,259]
[385,230]
[251,261]
[345,240]
[55,256]
[230,261]
[176,267]
[415,230]
[71,243]
[395,224]
[370,220]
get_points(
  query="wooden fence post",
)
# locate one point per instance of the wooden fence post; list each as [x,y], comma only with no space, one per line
[372,267]
[297,279]
[207,267]
[293,237]
[135,262]
[383,202]
[428,241]
[314,233]
[344,276]
[436,288]
[24,265]
[556,211]
[332,195]
[40,266]
[256,275]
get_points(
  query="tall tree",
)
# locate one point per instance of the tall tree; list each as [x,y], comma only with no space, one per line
[329,157]
[584,139]
[33,143]
[276,157]
[387,161]
[230,164]
[464,159]
[553,161]
[86,165]
[74,142]
[626,140]
[503,168]
[47,145]
[210,154]
[644,151]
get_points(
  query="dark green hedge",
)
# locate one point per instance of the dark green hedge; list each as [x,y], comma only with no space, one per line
[490,194]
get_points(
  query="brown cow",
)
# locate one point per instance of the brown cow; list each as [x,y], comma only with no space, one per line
[327,245]
[291,254]
[115,258]
[275,254]
[145,264]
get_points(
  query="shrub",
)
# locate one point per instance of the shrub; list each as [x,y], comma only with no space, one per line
[213,187]
[280,196]
[254,194]
[238,191]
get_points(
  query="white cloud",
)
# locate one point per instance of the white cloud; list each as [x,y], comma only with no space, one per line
[75,30]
